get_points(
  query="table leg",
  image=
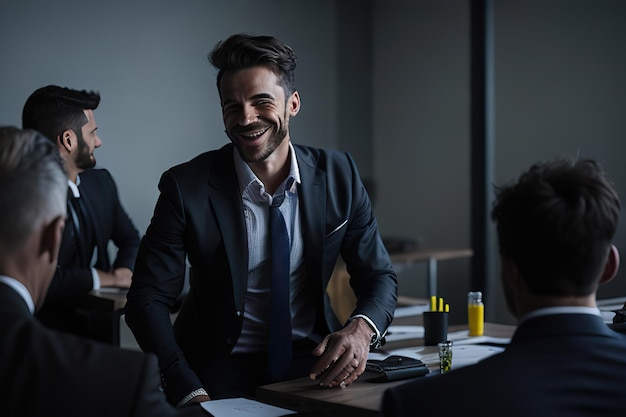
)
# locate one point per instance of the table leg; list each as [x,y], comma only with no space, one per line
[432,277]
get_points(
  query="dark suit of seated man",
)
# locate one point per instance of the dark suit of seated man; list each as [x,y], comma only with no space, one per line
[95,213]
[219,212]
[45,372]
[555,228]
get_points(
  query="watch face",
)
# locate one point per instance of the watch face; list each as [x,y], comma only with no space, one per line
[375,343]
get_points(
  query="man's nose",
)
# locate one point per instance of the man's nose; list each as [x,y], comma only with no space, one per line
[248,116]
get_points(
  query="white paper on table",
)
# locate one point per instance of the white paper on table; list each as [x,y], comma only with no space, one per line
[232,407]
[463,338]
[465,355]
[395,333]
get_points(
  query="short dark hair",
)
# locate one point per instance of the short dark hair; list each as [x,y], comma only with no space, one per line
[557,224]
[51,110]
[241,51]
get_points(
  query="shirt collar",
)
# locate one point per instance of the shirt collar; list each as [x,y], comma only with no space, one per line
[21,290]
[250,184]
[74,187]
[560,310]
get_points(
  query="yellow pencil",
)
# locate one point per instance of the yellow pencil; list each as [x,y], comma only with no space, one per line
[433,303]
[440,304]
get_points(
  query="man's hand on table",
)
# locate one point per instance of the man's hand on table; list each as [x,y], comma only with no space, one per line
[343,355]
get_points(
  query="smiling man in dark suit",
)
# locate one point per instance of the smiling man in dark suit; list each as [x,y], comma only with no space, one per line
[217,211]
[44,372]
[555,230]
[95,213]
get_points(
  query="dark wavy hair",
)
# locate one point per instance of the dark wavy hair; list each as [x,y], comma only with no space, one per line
[52,110]
[241,51]
[557,224]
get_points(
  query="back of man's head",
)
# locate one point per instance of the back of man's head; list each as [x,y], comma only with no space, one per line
[557,224]
[52,110]
[33,185]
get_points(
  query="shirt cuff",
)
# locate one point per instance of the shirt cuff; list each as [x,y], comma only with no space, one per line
[96,279]
[375,340]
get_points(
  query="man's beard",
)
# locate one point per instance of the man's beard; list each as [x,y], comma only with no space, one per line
[278,133]
[84,159]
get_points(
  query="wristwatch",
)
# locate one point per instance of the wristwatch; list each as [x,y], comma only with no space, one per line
[375,341]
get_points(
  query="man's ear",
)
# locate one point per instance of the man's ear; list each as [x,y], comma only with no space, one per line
[51,239]
[611,267]
[510,274]
[512,284]
[294,104]
[67,140]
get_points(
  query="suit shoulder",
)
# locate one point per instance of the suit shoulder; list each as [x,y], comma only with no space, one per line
[96,176]
[324,158]
[204,161]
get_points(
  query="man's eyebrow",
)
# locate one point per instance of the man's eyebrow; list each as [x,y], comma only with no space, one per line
[263,95]
[254,97]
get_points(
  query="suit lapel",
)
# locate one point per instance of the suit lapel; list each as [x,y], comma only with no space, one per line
[94,219]
[225,198]
[312,198]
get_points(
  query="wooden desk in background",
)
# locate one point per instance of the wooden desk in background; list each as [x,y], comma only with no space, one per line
[431,256]
[342,297]
[360,399]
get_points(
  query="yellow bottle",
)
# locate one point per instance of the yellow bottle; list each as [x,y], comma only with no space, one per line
[475,313]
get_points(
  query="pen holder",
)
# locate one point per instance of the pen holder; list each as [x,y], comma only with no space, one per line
[435,327]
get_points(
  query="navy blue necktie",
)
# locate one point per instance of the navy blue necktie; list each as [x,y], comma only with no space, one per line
[279,348]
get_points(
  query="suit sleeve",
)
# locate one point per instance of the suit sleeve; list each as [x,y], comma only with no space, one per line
[157,281]
[112,223]
[123,232]
[150,400]
[373,279]
[68,283]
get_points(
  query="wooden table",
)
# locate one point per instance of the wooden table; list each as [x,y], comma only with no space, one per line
[360,399]
[431,256]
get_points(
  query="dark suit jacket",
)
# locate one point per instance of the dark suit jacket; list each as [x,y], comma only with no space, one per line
[199,214]
[47,373]
[559,365]
[111,223]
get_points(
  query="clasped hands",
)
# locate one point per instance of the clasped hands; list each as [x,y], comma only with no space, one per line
[343,355]
[118,277]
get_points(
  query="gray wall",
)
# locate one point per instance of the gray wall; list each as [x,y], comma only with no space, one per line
[560,89]
[148,59]
[387,81]
[421,131]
